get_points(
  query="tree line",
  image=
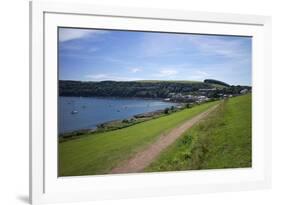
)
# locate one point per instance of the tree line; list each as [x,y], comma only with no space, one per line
[144,89]
[157,89]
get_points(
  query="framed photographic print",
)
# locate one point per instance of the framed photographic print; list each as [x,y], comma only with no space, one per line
[129,102]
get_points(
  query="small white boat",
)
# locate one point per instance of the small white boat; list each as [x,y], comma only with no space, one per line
[74,112]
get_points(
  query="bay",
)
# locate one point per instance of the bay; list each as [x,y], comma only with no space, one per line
[76,113]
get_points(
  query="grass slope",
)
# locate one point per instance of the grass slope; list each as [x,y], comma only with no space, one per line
[99,153]
[222,140]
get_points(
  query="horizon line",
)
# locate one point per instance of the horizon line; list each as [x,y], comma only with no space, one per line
[197,81]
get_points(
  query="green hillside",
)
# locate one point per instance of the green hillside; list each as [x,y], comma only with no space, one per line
[222,140]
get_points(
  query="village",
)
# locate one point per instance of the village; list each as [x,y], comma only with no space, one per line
[205,95]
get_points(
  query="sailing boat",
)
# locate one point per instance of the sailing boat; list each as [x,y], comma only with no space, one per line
[73,112]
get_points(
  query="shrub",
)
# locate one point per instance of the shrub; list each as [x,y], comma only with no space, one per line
[125,121]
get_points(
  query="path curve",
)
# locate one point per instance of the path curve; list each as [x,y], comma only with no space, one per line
[143,158]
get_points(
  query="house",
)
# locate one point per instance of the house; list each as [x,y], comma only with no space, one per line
[244,91]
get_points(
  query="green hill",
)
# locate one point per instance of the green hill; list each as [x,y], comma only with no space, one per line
[175,90]
[222,140]
[146,89]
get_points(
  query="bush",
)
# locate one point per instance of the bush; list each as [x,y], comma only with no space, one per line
[101,125]
[166,111]
[125,121]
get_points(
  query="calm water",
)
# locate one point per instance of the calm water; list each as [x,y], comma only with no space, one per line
[92,111]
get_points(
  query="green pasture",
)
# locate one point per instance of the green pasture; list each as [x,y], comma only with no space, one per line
[222,140]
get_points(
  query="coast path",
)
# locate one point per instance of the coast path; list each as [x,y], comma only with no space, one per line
[143,158]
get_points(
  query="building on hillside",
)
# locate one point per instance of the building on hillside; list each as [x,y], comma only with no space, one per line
[244,91]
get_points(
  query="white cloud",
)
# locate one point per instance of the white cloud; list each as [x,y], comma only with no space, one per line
[103,77]
[67,34]
[155,45]
[199,75]
[135,70]
[167,45]
[163,74]
[167,73]
[213,45]
[93,49]
[202,73]
[97,77]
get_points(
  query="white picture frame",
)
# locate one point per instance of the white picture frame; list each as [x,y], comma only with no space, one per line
[46,186]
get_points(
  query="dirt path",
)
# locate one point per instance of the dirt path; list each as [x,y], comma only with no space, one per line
[143,158]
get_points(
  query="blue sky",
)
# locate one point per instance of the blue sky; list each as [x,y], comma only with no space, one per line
[97,55]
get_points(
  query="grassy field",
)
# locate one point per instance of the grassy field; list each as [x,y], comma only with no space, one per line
[222,140]
[98,153]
